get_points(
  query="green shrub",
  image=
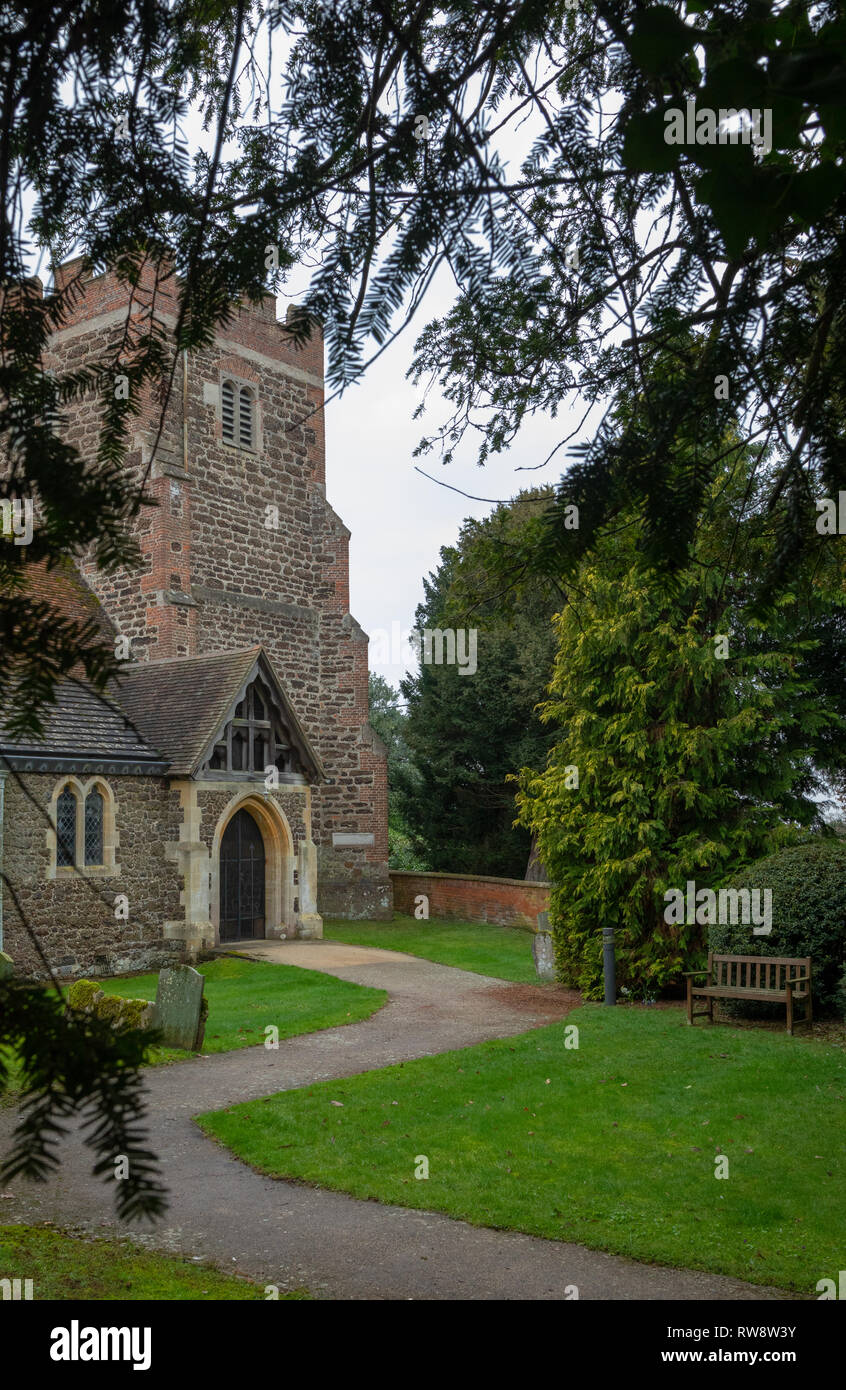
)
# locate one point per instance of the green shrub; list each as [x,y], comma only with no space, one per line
[808,883]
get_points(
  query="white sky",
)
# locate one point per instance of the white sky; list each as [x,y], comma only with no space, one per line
[399,520]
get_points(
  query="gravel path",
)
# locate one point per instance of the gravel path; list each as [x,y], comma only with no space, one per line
[291,1235]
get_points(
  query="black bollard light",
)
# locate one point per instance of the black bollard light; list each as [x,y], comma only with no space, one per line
[608,965]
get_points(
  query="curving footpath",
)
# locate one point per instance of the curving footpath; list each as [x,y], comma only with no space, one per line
[339,1247]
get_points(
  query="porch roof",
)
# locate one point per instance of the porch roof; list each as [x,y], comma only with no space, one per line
[181,705]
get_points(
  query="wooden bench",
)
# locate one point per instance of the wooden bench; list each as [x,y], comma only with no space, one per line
[776,979]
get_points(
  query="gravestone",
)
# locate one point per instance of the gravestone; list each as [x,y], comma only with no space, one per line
[7,968]
[179,1011]
[543,954]
[543,921]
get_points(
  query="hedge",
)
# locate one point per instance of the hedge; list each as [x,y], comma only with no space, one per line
[808,883]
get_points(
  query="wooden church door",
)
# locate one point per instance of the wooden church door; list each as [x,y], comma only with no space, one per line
[241,880]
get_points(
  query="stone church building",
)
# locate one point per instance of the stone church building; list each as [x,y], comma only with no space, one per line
[229,787]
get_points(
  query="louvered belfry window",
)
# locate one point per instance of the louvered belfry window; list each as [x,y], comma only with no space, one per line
[94,827]
[66,829]
[245,418]
[238,414]
[227,401]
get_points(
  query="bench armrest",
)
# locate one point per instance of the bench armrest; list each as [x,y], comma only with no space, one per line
[703,971]
[798,980]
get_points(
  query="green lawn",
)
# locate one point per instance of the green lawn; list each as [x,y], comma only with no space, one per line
[63,1266]
[504,952]
[612,1145]
[246,995]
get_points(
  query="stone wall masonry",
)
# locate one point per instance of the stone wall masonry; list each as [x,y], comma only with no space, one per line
[213,801]
[506,902]
[136,601]
[74,917]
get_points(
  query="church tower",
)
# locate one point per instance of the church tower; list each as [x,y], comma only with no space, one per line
[243,548]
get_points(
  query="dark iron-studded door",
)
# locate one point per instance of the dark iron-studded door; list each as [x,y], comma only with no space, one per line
[241,880]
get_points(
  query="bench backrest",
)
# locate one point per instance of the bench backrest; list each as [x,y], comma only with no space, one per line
[756,972]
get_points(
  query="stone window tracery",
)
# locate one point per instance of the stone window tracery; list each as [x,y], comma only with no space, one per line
[94,826]
[66,829]
[83,837]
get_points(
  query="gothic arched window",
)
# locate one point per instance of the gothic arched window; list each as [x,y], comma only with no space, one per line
[94,807]
[66,829]
[85,835]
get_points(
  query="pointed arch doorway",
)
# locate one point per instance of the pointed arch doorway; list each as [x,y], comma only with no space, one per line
[242,879]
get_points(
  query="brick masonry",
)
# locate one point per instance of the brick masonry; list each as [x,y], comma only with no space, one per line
[507,902]
[216,572]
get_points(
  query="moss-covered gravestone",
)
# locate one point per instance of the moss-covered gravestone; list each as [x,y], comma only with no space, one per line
[88,998]
[180,1010]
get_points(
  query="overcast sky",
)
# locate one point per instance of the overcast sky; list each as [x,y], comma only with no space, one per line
[398,519]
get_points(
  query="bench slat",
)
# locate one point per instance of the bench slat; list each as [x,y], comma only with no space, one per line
[730,990]
[774,960]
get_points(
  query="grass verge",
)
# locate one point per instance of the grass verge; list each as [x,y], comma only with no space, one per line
[503,952]
[63,1265]
[246,996]
[613,1144]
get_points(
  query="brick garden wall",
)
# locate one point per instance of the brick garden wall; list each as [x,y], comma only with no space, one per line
[507,902]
